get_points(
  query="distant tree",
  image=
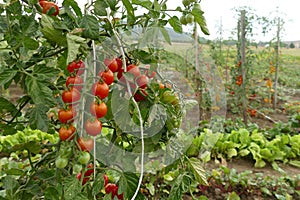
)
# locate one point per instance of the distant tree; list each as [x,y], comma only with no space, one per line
[292,45]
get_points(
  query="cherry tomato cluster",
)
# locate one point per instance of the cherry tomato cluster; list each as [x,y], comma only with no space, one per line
[66,115]
[239,80]
[48,7]
[252,112]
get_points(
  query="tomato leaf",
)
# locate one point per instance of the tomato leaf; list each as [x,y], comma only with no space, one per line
[7,106]
[91,27]
[51,193]
[144,3]
[72,188]
[175,23]
[179,186]
[100,8]
[53,35]
[7,75]
[199,18]
[127,184]
[38,118]
[74,43]
[39,92]
[74,5]
[197,170]
[165,35]
[130,12]
[44,72]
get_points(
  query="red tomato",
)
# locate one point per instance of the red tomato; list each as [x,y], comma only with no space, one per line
[75,81]
[70,96]
[120,63]
[112,64]
[105,177]
[98,109]
[66,132]
[66,115]
[85,144]
[87,174]
[140,95]
[120,73]
[153,73]
[93,127]
[100,89]
[111,188]
[76,67]
[48,7]
[107,76]
[142,81]
[133,69]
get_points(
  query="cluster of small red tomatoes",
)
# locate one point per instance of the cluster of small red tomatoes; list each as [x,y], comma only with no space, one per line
[108,187]
[49,7]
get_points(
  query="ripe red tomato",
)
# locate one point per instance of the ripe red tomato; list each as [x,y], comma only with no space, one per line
[76,67]
[70,96]
[66,132]
[111,188]
[85,144]
[105,177]
[87,174]
[100,89]
[112,64]
[93,127]
[142,81]
[98,109]
[107,76]
[49,7]
[133,69]
[120,73]
[66,115]
[140,95]
[75,81]
[120,63]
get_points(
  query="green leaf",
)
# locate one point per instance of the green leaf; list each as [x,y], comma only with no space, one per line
[39,91]
[7,107]
[175,23]
[233,196]
[30,43]
[51,193]
[259,163]
[45,73]
[295,163]
[244,152]
[231,152]
[127,184]
[179,186]
[91,27]
[53,35]
[165,35]
[199,18]
[74,43]
[38,118]
[7,75]
[197,169]
[74,5]
[144,3]
[98,184]
[130,12]
[100,7]
[72,187]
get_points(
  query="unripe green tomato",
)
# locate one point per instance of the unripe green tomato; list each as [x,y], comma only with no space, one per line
[84,157]
[189,18]
[183,20]
[61,162]
[77,168]
[168,97]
